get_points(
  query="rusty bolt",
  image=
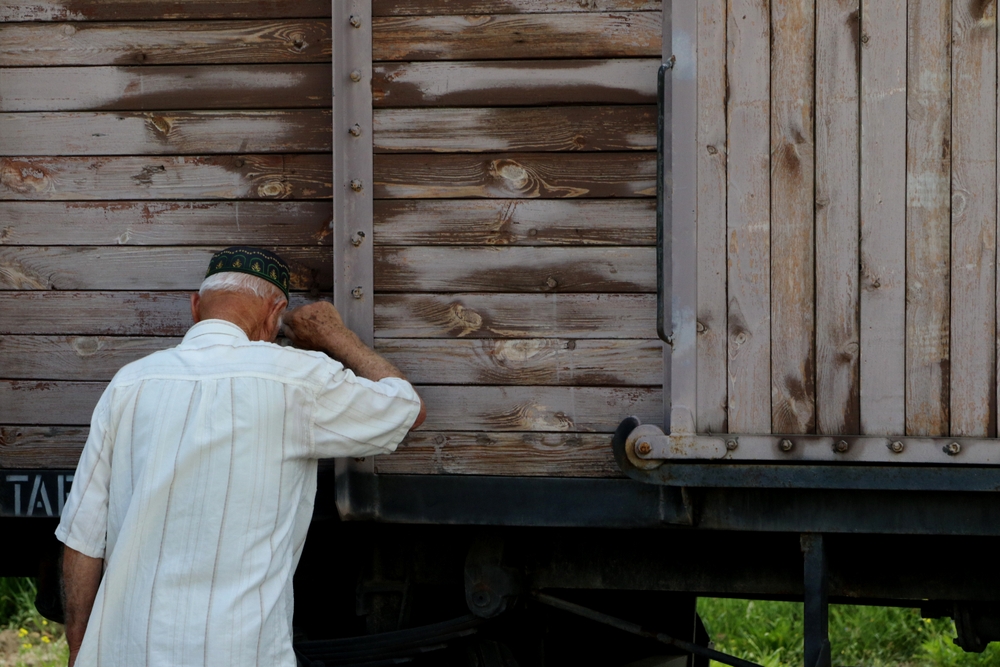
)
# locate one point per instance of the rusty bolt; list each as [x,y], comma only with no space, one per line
[356,75]
[355,131]
[841,446]
[644,448]
[896,447]
[357,185]
[357,239]
[865,39]
[355,22]
[731,445]
[357,292]
[952,448]
[786,445]
[239,162]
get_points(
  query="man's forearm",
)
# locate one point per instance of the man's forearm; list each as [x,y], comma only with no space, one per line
[348,349]
[81,579]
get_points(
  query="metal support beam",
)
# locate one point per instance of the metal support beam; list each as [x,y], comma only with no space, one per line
[816,587]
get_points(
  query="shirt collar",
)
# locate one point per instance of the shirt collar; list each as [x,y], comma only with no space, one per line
[208,332]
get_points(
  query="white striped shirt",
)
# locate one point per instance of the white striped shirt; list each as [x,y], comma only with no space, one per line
[196,486]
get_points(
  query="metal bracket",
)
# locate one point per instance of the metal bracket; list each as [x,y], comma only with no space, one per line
[816,586]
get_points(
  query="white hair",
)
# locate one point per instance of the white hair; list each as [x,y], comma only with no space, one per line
[242,283]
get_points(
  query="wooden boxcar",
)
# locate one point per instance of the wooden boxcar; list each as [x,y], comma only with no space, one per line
[475,184]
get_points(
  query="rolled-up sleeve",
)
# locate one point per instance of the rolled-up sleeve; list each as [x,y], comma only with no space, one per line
[358,417]
[84,523]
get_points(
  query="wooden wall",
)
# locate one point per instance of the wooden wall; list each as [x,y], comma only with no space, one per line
[136,138]
[847,217]
[514,222]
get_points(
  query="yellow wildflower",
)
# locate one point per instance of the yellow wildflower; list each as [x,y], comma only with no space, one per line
[25,645]
[44,622]
[22,632]
[45,639]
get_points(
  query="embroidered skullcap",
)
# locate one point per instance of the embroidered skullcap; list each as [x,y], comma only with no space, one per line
[254,261]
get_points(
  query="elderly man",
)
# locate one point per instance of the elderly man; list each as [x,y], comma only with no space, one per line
[195,489]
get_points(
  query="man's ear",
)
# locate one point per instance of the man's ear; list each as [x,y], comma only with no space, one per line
[274,314]
[195,300]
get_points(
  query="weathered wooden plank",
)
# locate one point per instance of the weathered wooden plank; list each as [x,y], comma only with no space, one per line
[520,454]
[503,222]
[519,175]
[883,218]
[838,41]
[444,7]
[545,409]
[515,316]
[200,177]
[515,83]
[41,447]
[928,218]
[517,36]
[102,313]
[973,219]
[159,10]
[500,269]
[49,403]
[178,133]
[222,223]
[748,204]
[73,357]
[165,88]
[164,43]
[140,267]
[792,161]
[712,362]
[608,128]
[531,361]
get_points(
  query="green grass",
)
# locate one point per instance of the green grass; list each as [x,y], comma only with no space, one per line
[770,633]
[27,639]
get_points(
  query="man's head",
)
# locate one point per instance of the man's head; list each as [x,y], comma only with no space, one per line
[245,286]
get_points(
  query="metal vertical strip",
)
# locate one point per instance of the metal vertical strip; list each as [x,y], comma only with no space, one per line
[681,182]
[353,259]
[353,281]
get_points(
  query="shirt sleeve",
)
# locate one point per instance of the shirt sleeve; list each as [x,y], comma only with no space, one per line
[84,523]
[358,417]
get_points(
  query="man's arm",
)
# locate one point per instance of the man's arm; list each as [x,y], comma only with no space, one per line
[318,326]
[81,579]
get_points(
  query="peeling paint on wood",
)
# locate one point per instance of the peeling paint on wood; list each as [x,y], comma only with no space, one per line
[208,177]
[139,268]
[73,357]
[444,7]
[578,129]
[153,10]
[517,175]
[515,83]
[164,43]
[165,88]
[503,222]
[107,313]
[529,361]
[220,223]
[504,454]
[488,37]
[499,269]
[165,133]
[515,316]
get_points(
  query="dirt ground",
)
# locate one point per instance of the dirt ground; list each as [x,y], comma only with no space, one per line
[39,655]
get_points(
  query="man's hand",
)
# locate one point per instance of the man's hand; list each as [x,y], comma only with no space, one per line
[81,579]
[318,326]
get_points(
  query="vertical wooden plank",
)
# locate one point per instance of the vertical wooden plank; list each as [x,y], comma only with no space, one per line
[353,165]
[883,217]
[928,217]
[682,185]
[353,207]
[712,349]
[792,173]
[748,204]
[973,218]
[837,71]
